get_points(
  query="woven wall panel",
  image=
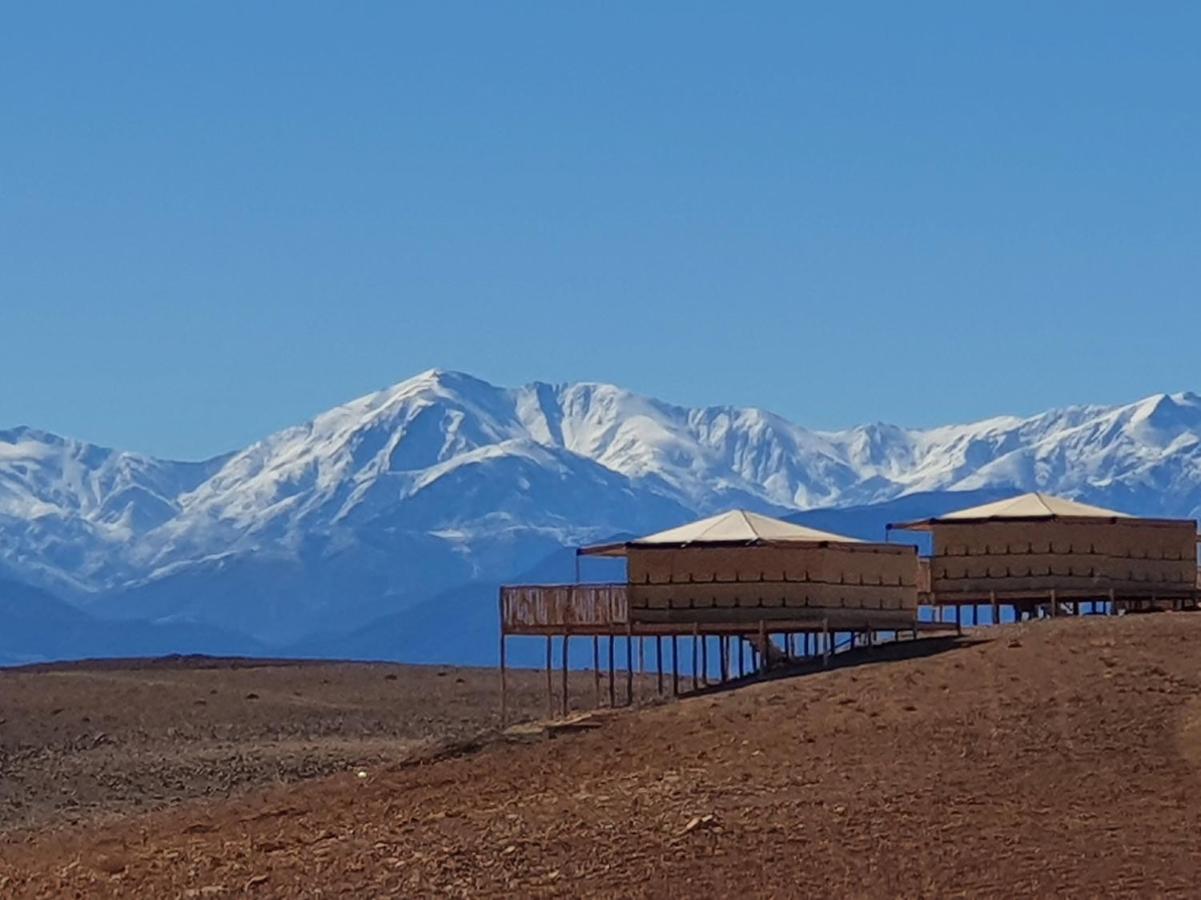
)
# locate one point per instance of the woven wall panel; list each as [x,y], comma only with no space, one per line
[1034,556]
[772,577]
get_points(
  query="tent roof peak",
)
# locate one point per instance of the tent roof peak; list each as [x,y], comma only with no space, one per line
[733,527]
[1033,506]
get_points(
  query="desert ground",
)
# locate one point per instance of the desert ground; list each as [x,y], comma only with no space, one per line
[1057,757]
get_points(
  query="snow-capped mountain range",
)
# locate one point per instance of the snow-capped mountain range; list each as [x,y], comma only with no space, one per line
[445,480]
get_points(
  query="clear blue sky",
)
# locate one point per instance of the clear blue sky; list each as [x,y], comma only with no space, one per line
[217,219]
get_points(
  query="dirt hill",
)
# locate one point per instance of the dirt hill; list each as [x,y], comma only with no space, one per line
[1056,757]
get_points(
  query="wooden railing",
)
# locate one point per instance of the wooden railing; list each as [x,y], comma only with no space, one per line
[532,607]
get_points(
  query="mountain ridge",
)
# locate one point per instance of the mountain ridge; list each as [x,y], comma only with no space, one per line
[445,480]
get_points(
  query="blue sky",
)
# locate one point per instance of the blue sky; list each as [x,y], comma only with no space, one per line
[217,219]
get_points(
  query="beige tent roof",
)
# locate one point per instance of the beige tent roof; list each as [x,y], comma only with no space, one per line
[734,527]
[1031,507]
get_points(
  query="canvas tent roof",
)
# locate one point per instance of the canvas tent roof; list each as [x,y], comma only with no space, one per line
[737,526]
[1026,507]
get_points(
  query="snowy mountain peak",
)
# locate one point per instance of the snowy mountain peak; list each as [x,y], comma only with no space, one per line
[443,478]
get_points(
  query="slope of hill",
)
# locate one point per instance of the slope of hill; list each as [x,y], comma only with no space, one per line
[445,481]
[1047,759]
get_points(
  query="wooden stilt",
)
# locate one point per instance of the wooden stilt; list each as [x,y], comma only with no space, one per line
[612,687]
[996,610]
[696,637]
[659,662]
[596,670]
[566,642]
[504,687]
[675,667]
[1054,604]
[629,664]
[825,642]
[705,659]
[550,687]
[764,650]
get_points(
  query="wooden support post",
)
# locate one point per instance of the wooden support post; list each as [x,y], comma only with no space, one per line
[825,642]
[504,687]
[1054,604]
[958,619]
[596,670]
[612,687]
[659,663]
[629,664]
[675,667]
[723,643]
[705,659]
[996,610]
[550,687]
[696,637]
[1113,603]
[764,654]
[641,661]
[566,641]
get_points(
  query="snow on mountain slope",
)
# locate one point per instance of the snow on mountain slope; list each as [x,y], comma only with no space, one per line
[445,479]
[72,513]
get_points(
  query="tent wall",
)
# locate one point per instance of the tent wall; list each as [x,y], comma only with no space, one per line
[771,580]
[1129,557]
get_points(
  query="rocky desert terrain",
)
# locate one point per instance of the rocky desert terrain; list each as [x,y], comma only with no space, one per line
[1056,757]
[81,742]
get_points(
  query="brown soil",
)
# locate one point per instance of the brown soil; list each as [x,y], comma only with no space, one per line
[1052,758]
[83,740]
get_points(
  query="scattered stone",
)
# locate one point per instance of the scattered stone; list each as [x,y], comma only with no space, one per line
[706,821]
